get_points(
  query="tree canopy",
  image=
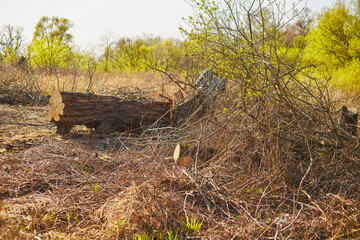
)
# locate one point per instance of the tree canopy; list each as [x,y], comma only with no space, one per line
[334,43]
[50,47]
[51,27]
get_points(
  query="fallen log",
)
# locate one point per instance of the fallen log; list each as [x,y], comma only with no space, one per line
[111,113]
[104,113]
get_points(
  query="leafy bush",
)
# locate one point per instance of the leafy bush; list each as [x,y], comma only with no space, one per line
[347,77]
[50,53]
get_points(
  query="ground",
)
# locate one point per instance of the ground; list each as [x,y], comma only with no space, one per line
[53,186]
[85,185]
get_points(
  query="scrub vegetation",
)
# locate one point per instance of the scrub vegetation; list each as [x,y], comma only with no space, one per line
[270,158]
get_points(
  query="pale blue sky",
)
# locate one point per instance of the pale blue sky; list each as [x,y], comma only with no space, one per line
[95,18]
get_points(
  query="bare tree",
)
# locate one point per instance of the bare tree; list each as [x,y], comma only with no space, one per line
[11,41]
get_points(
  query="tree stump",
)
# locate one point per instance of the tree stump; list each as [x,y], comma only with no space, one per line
[349,120]
[192,109]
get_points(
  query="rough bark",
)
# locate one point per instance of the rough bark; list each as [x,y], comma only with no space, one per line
[190,109]
[349,120]
[104,113]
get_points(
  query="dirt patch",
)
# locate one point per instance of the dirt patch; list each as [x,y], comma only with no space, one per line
[22,126]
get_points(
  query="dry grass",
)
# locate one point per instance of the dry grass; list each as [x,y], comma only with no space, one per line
[124,185]
[84,186]
[108,83]
[35,84]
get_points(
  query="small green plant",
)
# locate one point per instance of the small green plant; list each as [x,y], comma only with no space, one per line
[95,187]
[239,215]
[72,219]
[3,205]
[119,226]
[49,217]
[3,151]
[252,189]
[80,167]
[193,225]
[58,235]
[145,236]
[173,234]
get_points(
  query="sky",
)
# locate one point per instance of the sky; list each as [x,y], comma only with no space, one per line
[94,19]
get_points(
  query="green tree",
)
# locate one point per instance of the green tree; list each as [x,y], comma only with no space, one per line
[330,40]
[50,53]
[146,53]
[334,43]
[336,37]
[11,41]
[168,55]
[240,39]
[50,27]
[50,47]
[131,54]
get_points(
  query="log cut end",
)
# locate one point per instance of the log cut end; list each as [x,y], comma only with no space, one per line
[56,106]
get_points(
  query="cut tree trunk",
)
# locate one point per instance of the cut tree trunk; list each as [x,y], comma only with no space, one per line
[111,113]
[105,113]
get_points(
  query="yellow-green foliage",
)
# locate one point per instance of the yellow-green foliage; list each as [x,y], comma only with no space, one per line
[329,41]
[293,56]
[11,41]
[52,48]
[237,39]
[49,53]
[348,76]
[51,27]
[11,55]
[192,225]
[143,54]
[334,44]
